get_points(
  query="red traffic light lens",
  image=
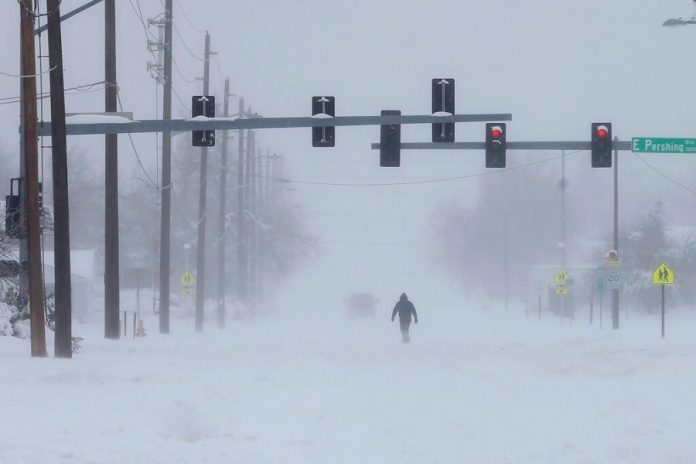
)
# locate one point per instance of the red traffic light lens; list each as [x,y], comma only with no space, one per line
[602,133]
[496,133]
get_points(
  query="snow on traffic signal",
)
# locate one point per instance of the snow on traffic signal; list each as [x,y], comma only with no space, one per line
[323,107]
[495,145]
[601,145]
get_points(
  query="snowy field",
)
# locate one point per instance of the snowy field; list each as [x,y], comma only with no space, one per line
[474,386]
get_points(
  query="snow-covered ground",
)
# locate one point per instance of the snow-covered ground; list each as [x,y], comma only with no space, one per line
[311,386]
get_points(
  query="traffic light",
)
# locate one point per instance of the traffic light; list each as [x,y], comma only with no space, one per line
[443,102]
[495,145]
[390,142]
[203,105]
[601,145]
[324,136]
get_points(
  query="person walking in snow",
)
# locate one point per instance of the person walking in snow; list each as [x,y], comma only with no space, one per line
[405,308]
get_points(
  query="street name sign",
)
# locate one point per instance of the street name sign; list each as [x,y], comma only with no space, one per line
[662,145]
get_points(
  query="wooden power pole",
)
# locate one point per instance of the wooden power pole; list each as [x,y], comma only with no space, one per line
[166,212]
[111,236]
[63,309]
[31,177]
[202,194]
[222,233]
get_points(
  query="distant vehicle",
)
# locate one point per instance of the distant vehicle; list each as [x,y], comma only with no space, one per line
[361,305]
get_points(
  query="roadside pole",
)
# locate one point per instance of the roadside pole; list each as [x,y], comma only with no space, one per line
[222,219]
[61,213]
[241,234]
[111,235]
[31,176]
[662,287]
[166,208]
[615,291]
[202,197]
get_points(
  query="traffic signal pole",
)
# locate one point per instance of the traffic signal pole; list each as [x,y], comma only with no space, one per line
[615,291]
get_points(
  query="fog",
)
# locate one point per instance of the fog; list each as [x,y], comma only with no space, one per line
[492,373]
[555,67]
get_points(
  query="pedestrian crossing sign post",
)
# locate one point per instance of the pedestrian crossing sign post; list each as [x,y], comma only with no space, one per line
[561,278]
[187,283]
[662,276]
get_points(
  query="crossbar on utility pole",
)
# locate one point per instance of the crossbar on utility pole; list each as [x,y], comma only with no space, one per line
[69,15]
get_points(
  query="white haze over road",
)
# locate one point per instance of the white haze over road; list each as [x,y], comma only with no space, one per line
[310,386]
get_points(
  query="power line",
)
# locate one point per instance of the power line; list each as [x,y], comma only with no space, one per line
[27,75]
[677,183]
[181,74]
[186,17]
[135,150]
[424,181]
[185,105]
[85,88]
[183,42]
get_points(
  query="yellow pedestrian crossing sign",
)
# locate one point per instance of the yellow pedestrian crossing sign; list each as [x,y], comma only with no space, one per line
[561,278]
[187,280]
[663,275]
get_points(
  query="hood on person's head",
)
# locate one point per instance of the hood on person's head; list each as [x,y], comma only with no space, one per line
[403,297]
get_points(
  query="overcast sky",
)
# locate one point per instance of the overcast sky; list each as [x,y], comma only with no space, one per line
[556,66]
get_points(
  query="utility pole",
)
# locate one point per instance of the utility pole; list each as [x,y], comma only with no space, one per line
[222,234]
[247,220]
[251,220]
[200,266]
[563,230]
[166,211]
[31,179]
[241,232]
[615,291]
[111,236]
[506,258]
[260,215]
[63,309]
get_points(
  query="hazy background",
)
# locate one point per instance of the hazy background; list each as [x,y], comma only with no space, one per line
[556,66]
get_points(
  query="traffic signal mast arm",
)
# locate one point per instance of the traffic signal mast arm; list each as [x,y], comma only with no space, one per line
[119,126]
[539,145]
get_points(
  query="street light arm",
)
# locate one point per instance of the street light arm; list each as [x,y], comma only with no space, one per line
[69,15]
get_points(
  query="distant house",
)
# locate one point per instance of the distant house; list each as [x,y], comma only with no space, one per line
[83,271]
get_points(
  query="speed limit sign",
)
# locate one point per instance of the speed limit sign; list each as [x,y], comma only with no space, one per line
[613,278]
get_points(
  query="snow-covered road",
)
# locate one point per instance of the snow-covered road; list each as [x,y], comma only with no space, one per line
[473,387]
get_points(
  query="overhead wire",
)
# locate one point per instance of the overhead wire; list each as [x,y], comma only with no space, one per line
[135,150]
[669,179]
[423,181]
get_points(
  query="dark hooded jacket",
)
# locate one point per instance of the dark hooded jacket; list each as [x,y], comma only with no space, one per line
[405,308]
